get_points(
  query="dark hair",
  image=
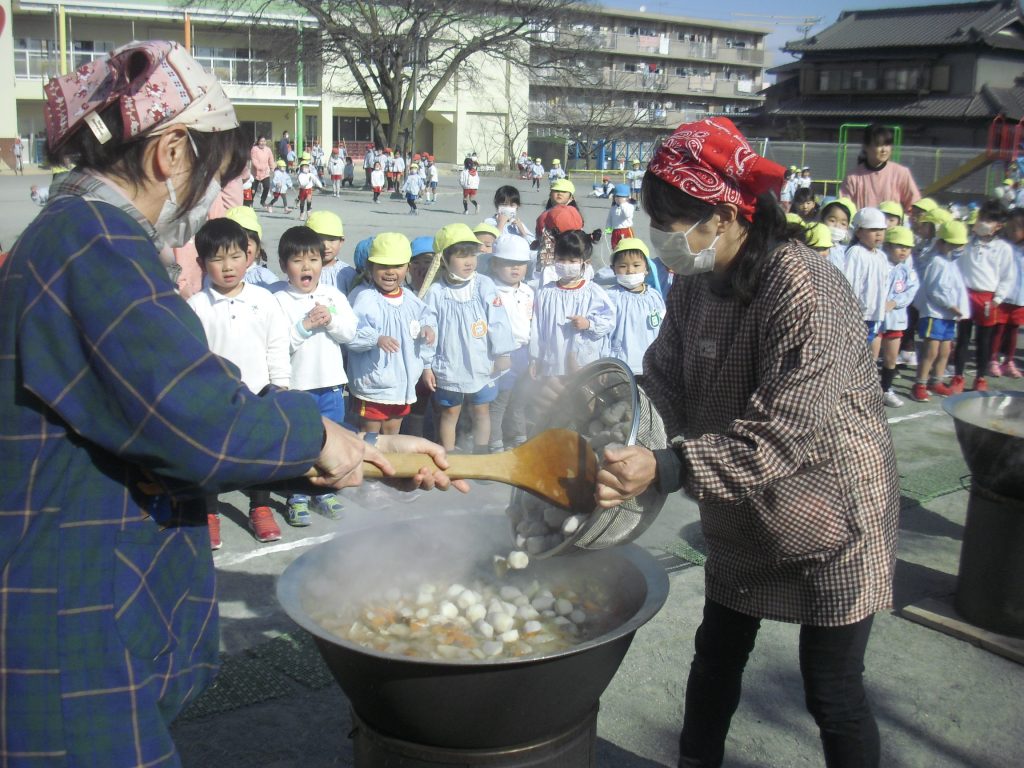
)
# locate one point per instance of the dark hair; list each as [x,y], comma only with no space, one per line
[667,204]
[574,244]
[217,234]
[877,134]
[834,204]
[299,240]
[460,249]
[507,195]
[804,195]
[630,252]
[992,210]
[124,159]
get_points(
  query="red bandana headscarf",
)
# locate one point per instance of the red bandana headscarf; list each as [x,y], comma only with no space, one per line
[710,160]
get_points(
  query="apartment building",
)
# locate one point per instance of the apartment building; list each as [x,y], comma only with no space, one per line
[641,74]
[645,73]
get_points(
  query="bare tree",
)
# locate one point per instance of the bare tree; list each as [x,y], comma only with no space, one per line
[384,48]
[589,104]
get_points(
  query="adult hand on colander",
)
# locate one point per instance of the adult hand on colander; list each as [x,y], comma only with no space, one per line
[626,472]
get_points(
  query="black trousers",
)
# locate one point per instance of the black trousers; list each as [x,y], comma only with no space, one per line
[257,186]
[982,346]
[832,665]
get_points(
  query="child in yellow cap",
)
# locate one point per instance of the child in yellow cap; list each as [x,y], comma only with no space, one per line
[901,289]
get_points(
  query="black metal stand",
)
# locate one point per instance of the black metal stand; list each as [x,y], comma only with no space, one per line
[990,587]
[573,748]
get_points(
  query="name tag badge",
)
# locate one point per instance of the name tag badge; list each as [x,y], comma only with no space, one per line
[414,328]
[707,348]
[654,319]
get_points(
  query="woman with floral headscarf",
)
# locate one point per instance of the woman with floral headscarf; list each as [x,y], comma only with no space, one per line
[116,420]
[778,431]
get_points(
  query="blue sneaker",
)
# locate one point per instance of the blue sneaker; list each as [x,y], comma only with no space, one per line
[329,506]
[298,511]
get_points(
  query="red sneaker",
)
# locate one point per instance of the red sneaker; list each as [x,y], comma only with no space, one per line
[956,385]
[262,525]
[213,523]
[980,385]
[919,392]
[941,389]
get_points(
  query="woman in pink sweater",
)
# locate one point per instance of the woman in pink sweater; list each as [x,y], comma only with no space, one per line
[261,162]
[876,178]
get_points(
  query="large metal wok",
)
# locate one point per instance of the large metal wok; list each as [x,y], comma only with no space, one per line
[990,430]
[465,705]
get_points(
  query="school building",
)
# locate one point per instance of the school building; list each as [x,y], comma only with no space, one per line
[644,74]
[652,72]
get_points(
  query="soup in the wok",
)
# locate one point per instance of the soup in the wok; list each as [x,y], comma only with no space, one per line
[479,621]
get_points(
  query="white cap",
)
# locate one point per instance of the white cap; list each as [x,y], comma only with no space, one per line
[869,218]
[511,248]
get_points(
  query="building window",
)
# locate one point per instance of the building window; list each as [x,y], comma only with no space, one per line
[903,79]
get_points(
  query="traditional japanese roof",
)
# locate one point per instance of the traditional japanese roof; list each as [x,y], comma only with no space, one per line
[993,24]
[984,105]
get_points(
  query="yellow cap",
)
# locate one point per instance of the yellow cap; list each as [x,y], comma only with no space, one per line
[390,249]
[556,161]
[246,218]
[306,157]
[953,232]
[972,217]
[536,159]
[325,224]
[632,244]
[899,236]
[636,162]
[925,204]
[848,204]
[484,228]
[937,216]
[819,236]
[451,234]
[892,208]
[282,164]
[413,165]
[794,218]
[563,185]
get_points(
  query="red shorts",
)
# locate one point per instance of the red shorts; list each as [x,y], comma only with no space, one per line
[618,234]
[891,334]
[305,194]
[983,309]
[335,177]
[381,411]
[1009,314]
[377,190]
[468,193]
[247,194]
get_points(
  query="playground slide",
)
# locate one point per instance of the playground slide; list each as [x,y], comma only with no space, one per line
[963,170]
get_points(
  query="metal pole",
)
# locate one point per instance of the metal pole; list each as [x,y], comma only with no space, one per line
[415,89]
[299,113]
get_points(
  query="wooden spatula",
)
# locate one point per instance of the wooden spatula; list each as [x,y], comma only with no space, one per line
[557,465]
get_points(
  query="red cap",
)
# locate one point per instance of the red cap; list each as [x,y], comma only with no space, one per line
[560,218]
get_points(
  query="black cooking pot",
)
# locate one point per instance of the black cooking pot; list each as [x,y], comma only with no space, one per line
[990,430]
[458,704]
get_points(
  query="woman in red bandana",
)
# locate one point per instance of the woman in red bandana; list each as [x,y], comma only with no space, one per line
[778,431]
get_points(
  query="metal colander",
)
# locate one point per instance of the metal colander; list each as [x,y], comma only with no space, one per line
[587,394]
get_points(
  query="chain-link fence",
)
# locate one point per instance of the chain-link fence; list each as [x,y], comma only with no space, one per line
[927,164]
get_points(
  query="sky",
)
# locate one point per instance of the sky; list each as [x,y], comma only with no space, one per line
[757,14]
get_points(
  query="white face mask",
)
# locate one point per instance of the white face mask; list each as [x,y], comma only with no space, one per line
[984,228]
[176,231]
[568,270]
[631,281]
[452,277]
[674,250]
[839,234]
[508,211]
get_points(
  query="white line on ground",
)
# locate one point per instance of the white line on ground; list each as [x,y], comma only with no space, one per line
[919,415]
[273,549]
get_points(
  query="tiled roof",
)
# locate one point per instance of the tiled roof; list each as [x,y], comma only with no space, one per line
[983,106]
[958,24]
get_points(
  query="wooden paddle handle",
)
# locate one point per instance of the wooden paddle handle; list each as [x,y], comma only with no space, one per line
[409,464]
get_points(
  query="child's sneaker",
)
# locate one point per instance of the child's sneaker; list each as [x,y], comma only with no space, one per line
[891,399]
[956,385]
[919,392]
[995,369]
[980,385]
[1009,369]
[908,358]
[939,388]
[298,511]
[329,506]
[262,525]
[213,523]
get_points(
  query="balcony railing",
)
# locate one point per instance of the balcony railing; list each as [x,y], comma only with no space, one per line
[42,65]
[664,45]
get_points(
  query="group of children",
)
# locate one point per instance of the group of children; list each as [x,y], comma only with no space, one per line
[934,278]
[469,319]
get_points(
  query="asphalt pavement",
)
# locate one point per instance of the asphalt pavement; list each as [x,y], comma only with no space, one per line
[940,701]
